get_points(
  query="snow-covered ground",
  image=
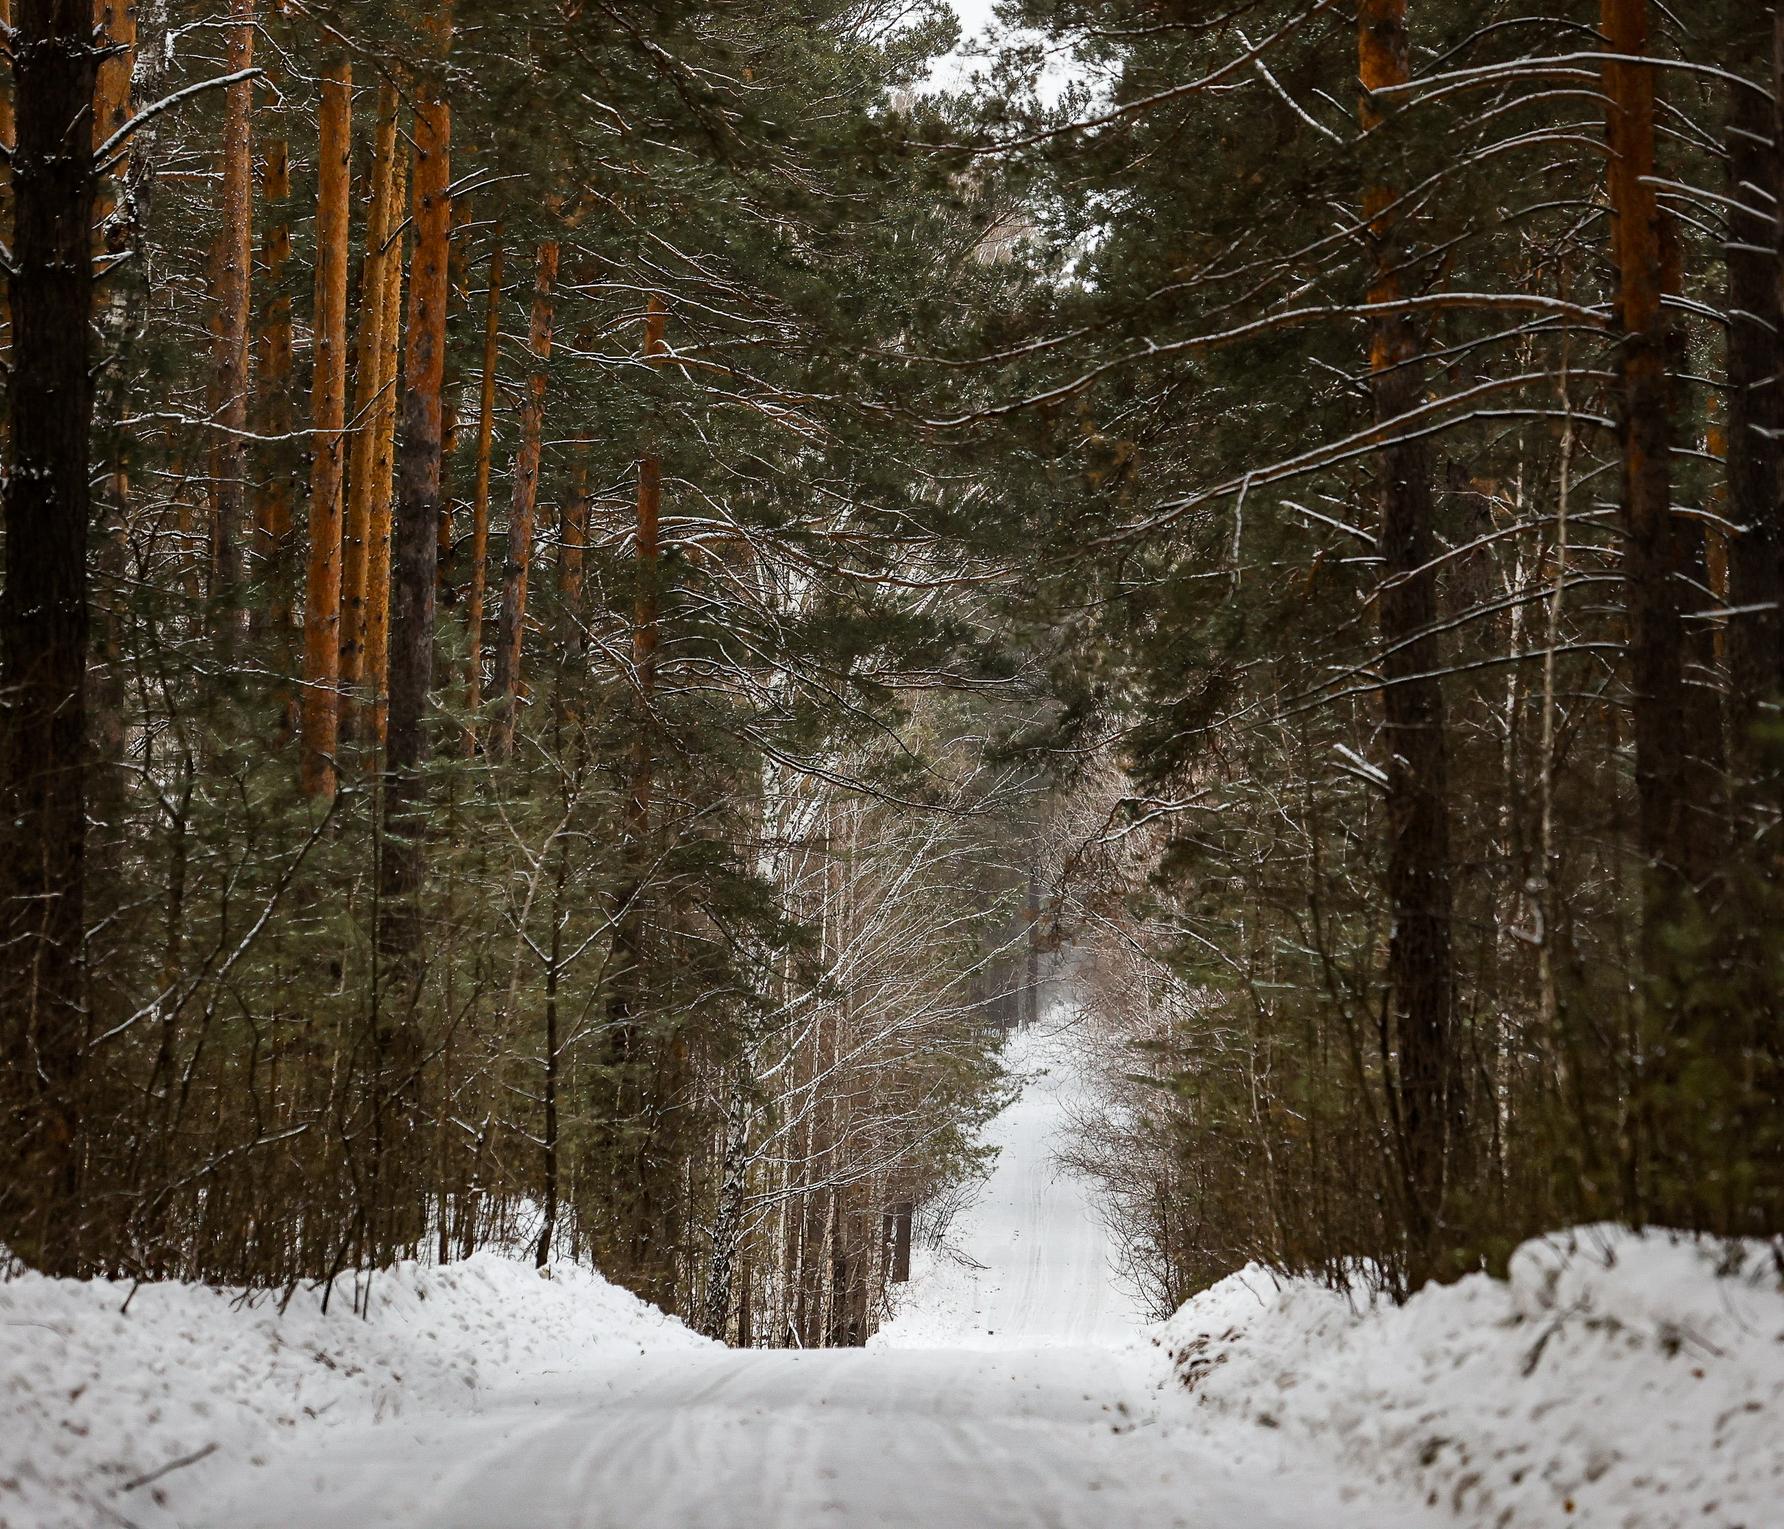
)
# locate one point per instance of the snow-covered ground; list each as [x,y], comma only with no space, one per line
[1029,1262]
[102,1388]
[1618,1382]
[1614,1379]
[479,1397]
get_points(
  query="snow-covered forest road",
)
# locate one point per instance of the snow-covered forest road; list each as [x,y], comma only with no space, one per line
[1021,1392]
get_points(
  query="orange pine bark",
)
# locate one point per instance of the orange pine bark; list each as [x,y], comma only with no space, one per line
[377,577]
[368,365]
[115,21]
[486,405]
[328,419]
[511,628]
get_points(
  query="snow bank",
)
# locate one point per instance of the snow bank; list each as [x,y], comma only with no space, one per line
[95,1398]
[1615,1379]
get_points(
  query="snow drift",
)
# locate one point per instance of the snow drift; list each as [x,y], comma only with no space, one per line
[1615,1379]
[102,1390]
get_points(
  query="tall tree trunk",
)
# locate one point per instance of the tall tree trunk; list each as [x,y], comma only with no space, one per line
[231,266]
[368,368]
[1652,553]
[272,385]
[8,139]
[119,229]
[1421,980]
[43,631]
[414,565]
[1755,409]
[328,419]
[377,567]
[548,1209]
[511,625]
[451,421]
[1655,565]
[626,959]
[486,413]
[646,625]
[728,1225]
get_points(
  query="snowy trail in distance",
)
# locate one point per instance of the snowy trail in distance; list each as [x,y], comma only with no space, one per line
[1029,1262]
[1022,1392]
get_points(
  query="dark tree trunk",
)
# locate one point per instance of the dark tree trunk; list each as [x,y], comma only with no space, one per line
[512,620]
[328,409]
[1653,551]
[231,272]
[1421,983]
[901,1216]
[1755,412]
[43,630]
[403,852]
[414,561]
[549,1146]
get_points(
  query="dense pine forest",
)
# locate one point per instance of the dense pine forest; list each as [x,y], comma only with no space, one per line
[599,597]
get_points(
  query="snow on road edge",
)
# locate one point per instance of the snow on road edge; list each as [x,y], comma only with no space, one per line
[1615,1379]
[94,1397]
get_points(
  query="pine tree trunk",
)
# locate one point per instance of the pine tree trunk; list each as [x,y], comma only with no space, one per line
[378,533]
[43,631]
[1651,557]
[231,267]
[1420,973]
[486,410]
[1755,410]
[328,419]
[727,1228]
[368,368]
[1655,566]
[511,624]
[8,140]
[548,1205]
[451,422]
[107,787]
[272,382]
[625,960]
[414,564]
